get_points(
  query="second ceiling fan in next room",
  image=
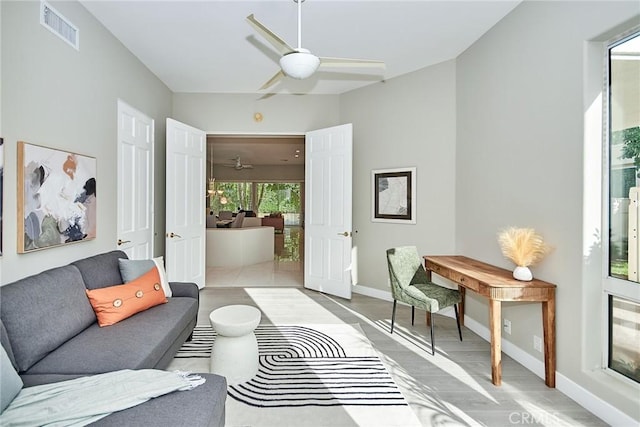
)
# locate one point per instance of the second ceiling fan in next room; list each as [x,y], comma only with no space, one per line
[238,165]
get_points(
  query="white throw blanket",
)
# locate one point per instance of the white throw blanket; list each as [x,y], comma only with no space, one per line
[81,401]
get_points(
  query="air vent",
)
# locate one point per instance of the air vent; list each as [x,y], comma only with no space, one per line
[59,25]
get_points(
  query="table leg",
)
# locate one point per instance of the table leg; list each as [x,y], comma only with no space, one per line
[428,316]
[549,331]
[462,290]
[495,315]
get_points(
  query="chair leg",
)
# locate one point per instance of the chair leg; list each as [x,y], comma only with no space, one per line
[433,348]
[393,314]
[413,314]
[455,308]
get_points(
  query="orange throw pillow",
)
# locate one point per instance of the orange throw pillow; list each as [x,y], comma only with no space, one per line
[115,303]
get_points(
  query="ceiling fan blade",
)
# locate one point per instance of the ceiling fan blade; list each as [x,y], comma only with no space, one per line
[280,45]
[267,96]
[273,80]
[350,62]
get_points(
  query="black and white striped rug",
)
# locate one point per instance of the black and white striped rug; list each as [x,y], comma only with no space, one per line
[311,366]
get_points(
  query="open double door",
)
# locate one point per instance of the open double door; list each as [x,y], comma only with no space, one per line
[327,187]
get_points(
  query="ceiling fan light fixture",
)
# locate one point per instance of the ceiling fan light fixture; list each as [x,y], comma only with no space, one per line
[299,64]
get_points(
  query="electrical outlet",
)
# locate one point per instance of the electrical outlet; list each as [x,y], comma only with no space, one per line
[537,343]
[506,325]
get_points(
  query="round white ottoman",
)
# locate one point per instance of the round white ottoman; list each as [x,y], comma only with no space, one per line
[235,350]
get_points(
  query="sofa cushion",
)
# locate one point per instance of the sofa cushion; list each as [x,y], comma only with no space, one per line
[237,223]
[131,269]
[43,311]
[252,222]
[10,382]
[101,270]
[138,342]
[115,303]
[4,341]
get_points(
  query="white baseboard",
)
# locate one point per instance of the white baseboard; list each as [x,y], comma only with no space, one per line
[373,293]
[603,410]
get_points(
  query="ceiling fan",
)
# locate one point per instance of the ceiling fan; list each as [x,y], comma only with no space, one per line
[300,63]
[238,165]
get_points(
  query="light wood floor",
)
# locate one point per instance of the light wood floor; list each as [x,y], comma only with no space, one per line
[451,388]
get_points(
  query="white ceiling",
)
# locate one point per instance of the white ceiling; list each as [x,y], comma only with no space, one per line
[207,46]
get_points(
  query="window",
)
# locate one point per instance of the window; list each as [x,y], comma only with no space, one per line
[232,196]
[622,285]
[283,197]
[624,342]
[261,197]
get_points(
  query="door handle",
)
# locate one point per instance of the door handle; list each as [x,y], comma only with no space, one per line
[345,234]
[122,242]
[173,235]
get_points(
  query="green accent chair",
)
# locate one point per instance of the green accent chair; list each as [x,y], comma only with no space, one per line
[409,284]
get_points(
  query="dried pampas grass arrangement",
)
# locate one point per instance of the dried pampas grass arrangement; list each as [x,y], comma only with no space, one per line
[523,246]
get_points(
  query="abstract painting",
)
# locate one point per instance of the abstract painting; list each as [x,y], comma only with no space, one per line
[394,195]
[56,197]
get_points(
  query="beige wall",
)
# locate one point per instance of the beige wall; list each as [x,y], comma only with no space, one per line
[233,113]
[406,121]
[519,161]
[55,96]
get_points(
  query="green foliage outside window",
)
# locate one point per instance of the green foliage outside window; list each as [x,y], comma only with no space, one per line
[278,197]
[236,194]
[630,137]
[270,197]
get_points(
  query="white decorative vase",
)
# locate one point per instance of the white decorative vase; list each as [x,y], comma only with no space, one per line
[522,273]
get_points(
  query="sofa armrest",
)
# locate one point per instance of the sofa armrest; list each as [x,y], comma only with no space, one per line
[204,406]
[185,289]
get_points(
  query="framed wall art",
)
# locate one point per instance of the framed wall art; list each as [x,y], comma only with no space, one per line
[56,197]
[394,195]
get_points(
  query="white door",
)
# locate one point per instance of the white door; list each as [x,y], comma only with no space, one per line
[185,215]
[135,182]
[327,234]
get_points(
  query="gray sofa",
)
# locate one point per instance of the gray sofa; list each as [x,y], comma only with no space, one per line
[50,333]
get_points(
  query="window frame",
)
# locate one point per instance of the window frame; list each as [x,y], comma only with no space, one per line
[611,286]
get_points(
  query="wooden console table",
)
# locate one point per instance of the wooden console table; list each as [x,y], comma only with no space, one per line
[498,285]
